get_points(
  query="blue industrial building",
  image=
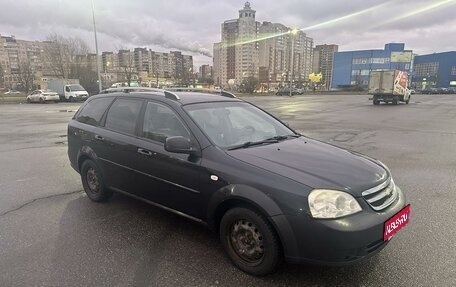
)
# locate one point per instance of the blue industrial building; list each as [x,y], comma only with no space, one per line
[352,68]
[436,70]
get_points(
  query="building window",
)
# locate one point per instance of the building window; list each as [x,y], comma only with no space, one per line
[358,61]
[453,71]
[426,69]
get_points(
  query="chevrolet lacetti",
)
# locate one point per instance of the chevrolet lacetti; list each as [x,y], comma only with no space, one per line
[269,192]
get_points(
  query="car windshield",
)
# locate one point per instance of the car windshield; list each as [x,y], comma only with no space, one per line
[76,88]
[237,124]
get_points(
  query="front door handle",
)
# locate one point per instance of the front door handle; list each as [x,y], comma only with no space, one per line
[144,152]
[99,138]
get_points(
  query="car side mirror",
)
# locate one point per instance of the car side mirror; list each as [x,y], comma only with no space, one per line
[179,144]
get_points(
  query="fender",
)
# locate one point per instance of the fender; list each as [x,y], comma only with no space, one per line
[245,193]
[85,151]
[263,203]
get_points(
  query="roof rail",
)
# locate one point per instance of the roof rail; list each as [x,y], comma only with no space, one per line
[203,90]
[168,92]
[228,94]
[130,89]
[171,95]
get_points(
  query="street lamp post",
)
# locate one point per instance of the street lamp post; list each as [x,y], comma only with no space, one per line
[96,48]
[292,33]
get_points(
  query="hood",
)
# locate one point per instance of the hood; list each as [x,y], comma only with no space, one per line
[315,164]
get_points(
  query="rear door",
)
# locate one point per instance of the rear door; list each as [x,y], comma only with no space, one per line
[115,143]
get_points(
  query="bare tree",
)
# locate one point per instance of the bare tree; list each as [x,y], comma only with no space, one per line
[60,54]
[26,74]
[2,75]
[127,65]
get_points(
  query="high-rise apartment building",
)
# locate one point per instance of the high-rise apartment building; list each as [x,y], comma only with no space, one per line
[205,72]
[236,56]
[262,50]
[323,62]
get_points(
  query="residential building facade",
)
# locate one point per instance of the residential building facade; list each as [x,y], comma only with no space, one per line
[205,73]
[323,57]
[249,48]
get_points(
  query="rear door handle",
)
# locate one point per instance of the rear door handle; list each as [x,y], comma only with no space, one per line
[99,138]
[144,152]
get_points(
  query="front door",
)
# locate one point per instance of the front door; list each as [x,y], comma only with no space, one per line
[166,178]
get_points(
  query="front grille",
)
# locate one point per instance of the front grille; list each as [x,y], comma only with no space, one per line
[381,196]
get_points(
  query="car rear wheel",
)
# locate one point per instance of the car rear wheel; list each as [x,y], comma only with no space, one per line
[28,100]
[250,241]
[375,101]
[42,101]
[92,181]
[395,100]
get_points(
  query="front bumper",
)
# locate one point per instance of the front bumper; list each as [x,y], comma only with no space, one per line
[335,241]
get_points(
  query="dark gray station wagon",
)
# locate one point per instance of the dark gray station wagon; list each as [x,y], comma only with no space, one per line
[269,192]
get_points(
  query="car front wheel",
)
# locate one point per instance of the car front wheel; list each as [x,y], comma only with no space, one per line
[92,181]
[250,241]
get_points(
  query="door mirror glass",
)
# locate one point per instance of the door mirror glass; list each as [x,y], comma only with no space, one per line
[178,144]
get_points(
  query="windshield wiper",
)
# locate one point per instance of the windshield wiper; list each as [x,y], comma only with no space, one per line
[284,137]
[249,144]
[274,139]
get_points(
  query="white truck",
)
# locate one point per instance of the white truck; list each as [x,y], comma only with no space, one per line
[389,86]
[68,89]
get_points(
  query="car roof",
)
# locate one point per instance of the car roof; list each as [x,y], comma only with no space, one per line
[182,96]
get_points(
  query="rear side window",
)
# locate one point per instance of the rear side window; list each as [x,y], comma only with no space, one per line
[91,114]
[123,114]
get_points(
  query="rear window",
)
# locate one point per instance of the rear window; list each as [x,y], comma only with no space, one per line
[92,112]
[123,114]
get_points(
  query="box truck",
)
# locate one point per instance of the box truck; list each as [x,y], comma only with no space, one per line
[389,86]
[68,89]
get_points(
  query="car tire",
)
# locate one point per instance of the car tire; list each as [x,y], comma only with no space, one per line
[250,241]
[395,100]
[71,99]
[56,102]
[92,181]
[375,101]
[29,101]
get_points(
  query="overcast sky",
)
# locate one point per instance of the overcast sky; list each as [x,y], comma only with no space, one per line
[426,26]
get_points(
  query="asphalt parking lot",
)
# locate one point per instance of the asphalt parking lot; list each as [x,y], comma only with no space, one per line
[51,234]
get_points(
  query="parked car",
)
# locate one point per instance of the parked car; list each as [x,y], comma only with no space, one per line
[12,92]
[43,96]
[268,191]
[286,92]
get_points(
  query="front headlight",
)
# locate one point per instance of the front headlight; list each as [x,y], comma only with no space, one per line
[325,203]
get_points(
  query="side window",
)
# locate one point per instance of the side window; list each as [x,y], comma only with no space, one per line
[161,122]
[91,114]
[67,89]
[123,114]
